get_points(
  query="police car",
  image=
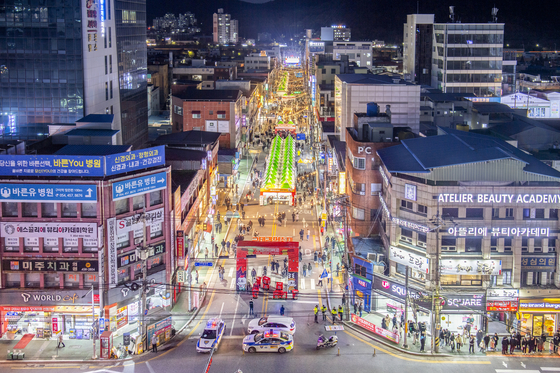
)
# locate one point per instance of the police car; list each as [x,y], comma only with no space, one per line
[211,336]
[271,341]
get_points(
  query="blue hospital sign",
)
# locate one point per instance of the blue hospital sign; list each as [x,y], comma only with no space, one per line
[136,160]
[139,185]
[51,165]
[78,193]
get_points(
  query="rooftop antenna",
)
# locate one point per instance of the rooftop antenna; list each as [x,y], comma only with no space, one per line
[495,14]
[452,13]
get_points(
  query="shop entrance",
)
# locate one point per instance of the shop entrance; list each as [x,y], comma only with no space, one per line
[250,249]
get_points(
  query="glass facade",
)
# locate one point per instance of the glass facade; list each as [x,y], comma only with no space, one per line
[41,72]
[130,18]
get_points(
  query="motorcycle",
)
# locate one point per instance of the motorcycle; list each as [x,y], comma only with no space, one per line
[323,342]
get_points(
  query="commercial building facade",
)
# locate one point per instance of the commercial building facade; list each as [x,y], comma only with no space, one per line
[488,215]
[61,237]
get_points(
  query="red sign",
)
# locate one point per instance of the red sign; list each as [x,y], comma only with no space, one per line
[274,239]
[501,305]
[393,337]
[180,244]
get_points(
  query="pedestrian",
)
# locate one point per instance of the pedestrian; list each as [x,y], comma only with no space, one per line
[524,344]
[505,345]
[340,312]
[251,307]
[459,342]
[282,309]
[206,253]
[422,341]
[60,340]
[343,298]
[308,234]
[154,342]
[322,231]
[304,269]
[309,268]
[479,335]
[471,345]
[196,276]
[324,311]
[355,308]
[301,235]
[243,213]
[293,217]
[315,310]
[486,343]
[395,320]
[333,314]
[512,345]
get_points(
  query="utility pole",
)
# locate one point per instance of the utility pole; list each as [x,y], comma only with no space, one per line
[94,356]
[143,252]
[405,345]
[436,306]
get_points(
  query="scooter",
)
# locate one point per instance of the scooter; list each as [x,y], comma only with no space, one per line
[322,342]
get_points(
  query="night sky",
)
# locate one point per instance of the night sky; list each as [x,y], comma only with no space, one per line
[529,23]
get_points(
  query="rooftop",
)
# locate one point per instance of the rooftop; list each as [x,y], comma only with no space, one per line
[176,154]
[97,118]
[92,132]
[421,155]
[187,138]
[192,94]
[93,149]
[370,79]
[492,108]
[182,178]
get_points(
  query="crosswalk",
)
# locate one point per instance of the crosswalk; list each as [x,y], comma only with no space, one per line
[542,369]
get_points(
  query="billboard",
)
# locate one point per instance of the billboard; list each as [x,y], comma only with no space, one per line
[77,193]
[51,165]
[48,230]
[135,160]
[140,185]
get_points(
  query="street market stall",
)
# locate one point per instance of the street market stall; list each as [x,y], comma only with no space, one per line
[279,182]
[283,128]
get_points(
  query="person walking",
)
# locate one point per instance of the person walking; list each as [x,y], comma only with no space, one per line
[251,307]
[154,343]
[355,308]
[60,340]
[486,340]
[196,276]
[505,345]
[324,311]
[301,235]
[315,310]
[422,341]
[459,342]
[308,234]
[471,345]
[360,309]
[395,320]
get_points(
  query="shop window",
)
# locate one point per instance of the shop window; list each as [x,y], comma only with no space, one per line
[422,237]
[156,197]
[11,244]
[448,243]
[401,268]
[473,245]
[524,244]
[507,244]
[406,232]
[31,244]
[90,279]
[123,275]
[539,213]
[9,209]
[448,213]
[52,280]
[406,204]
[69,210]
[71,280]
[138,202]
[509,213]
[89,210]
[494,244]
[495,214]
[552,244]
[29,210]
[358,214]
[32,280]
[121,206]
[156,230]
[553,214]
[475,213]
[360,270]
[422,209]
[49,210]
[13,280]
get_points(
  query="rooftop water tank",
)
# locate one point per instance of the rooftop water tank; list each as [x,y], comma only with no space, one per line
[372,109]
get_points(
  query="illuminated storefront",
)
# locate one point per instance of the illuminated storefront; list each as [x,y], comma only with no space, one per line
[538,316]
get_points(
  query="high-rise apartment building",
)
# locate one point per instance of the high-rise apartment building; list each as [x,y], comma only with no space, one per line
[58,66]
[459,57]
[133,66]
[225,29]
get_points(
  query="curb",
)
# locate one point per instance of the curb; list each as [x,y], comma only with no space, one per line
[365,334]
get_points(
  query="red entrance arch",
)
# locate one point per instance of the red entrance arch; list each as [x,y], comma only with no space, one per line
[244,248]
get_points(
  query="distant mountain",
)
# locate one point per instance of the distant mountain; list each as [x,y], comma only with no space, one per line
[368,19]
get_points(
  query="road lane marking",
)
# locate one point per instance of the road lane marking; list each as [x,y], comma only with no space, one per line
[230,272]
[550,369]
[516,371]
[302,285]
[150,367]
[220,315]
[234,315]
[231,284]
[312,284]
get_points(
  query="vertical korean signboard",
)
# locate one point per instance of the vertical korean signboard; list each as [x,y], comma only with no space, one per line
[180,244]
[112,252]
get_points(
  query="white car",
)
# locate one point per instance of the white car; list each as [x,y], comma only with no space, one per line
[277,323]
[211,336]
[272,341]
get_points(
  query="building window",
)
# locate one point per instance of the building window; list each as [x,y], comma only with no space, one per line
[52,280]
[32,280]
[211,112]
[406,232]
[9,209]
[422,237]
[537,245]
[111,88]
[196,115]
[121,206]
[506,273]
[357,163]
[401,269]
[89,210]
[13,280]
[507,244]
[552,244]
[31,244]
[333,71]
[406,204]
[422,209]
[493,243]
[138,202]
[358,188]
[524,244]
[448,243]
[553,214]
[49,210]
[156,198]
[71,280]
[358,214]
[29,210]
[375,189]
[69,210]
[475,213]
[495,214]
[106,91]
[448,213]
[539,213]
[178,110]
[509,213]
[11,244]
[473,245]
[221,115]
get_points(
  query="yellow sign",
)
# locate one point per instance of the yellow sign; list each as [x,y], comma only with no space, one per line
[443,318]
[342,183]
